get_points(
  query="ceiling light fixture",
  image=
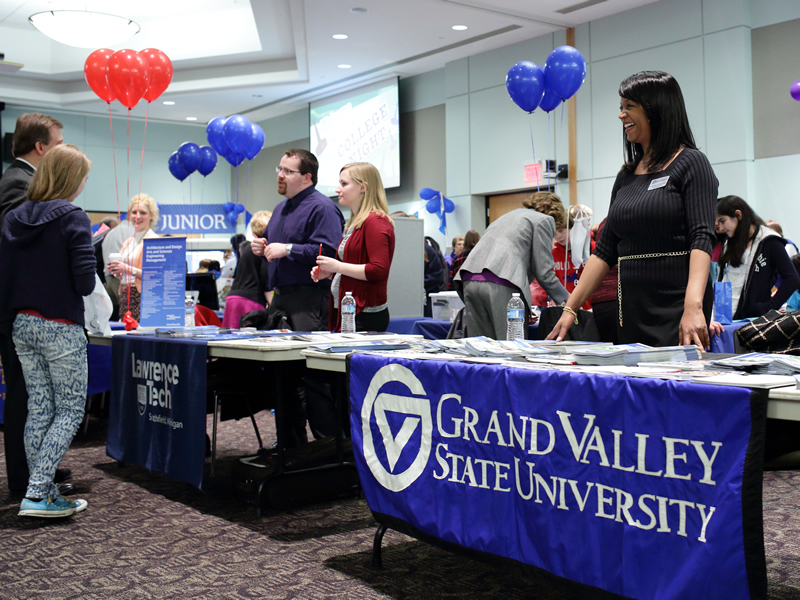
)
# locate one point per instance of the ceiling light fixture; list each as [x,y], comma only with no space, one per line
[459,27]
[358,11]
[339,36]
[344,66]
[84,29]
[191,118]
[169,102]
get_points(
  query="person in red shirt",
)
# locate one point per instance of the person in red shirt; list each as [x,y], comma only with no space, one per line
[365,252]
[565,271]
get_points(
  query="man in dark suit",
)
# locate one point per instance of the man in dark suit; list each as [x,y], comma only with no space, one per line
[34,135]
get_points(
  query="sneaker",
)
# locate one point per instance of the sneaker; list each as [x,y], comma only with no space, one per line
[49,509]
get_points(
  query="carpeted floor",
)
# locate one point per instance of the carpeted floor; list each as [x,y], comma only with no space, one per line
[144,536]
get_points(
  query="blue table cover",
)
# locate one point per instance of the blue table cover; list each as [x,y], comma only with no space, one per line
[643,488]
[157,415]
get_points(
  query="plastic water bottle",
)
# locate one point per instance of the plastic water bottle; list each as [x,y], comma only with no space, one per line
[189,318]
[348,313]
[515,312]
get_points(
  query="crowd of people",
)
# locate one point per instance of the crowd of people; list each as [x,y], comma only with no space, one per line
[645,272]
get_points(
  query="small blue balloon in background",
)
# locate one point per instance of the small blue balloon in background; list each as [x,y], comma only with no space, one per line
[256,142]
[434,206]
[228,207]
[449,205]
[427,193]
[525,85]
[235,158]
[237,131]
[232,218]
[549,100]
[189,156]
[215,135]
[208,160]
[175,168]
[565,70]
[239,208]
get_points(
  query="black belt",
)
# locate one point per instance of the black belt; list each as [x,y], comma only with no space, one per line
[288,289]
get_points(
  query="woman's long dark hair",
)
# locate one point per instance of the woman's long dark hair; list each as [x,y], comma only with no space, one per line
[662,100]
[737,244]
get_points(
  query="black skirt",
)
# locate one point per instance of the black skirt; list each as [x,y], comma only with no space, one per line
[653,316]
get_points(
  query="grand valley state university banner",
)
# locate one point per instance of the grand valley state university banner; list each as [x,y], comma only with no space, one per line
[632,487]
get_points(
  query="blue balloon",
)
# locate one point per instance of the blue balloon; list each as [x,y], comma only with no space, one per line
[449,206]
[433,206]
[565,71]
[428,193]
[189,156]
[238,132]
[232,218]
[549,100]
[239,208]
[256,142]
[235,158]
[525,85]
[215,135]
[175,168]
[208,160]
[228,207]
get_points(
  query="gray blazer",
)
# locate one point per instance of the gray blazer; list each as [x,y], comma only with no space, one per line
[518,247]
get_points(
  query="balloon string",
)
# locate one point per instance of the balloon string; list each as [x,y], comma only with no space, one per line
[533,149]
[128,151]
[144,135]
[114,160]
[203,191]
[246,194]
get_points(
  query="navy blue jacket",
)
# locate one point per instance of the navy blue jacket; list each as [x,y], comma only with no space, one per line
[48,262]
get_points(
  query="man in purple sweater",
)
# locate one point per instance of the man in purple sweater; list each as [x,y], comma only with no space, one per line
[304,225]
[35,134]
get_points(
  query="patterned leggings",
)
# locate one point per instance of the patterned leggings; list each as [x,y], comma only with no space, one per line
[54,362]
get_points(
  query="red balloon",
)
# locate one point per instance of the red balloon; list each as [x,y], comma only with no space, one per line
[94,69]
[128,75]
[160,72]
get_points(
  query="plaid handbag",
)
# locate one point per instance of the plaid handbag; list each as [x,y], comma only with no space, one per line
[773,332]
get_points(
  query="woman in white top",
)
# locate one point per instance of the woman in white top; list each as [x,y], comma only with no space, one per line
[143,213]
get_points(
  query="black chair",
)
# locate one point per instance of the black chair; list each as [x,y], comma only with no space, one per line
[206,284]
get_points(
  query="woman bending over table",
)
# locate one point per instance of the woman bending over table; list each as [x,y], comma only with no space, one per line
[660,225]
[365,252]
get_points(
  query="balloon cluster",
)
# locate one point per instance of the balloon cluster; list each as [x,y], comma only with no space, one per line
[235,138]
[438,205]
[128,76]
[532,87]
[232,211]
[190,157]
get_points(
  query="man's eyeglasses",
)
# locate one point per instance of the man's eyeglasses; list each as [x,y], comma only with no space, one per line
[286,172]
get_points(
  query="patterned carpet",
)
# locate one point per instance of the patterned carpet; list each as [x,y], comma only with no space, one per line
[144,536]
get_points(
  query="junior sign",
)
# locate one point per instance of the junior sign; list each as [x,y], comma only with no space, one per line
[197,218]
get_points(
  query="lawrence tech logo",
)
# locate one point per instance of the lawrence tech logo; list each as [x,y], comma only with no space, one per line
[417,411]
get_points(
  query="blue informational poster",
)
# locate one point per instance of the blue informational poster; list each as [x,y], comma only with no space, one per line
[163,283]
[636,487]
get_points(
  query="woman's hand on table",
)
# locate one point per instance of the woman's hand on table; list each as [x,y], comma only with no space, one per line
[693,328]
[562,327]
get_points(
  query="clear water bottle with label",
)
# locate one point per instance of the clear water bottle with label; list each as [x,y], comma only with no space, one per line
[515,312]
[189,318]
[348,313]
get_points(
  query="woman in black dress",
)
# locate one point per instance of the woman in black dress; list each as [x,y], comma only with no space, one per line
[660,224]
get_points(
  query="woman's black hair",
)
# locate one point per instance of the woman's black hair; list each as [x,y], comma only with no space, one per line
[737,244]
[796,263]
[660,96]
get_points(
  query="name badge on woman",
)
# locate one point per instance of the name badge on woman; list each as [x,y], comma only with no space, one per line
[658,183]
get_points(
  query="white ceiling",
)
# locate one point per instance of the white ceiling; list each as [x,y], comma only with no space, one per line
[264,58]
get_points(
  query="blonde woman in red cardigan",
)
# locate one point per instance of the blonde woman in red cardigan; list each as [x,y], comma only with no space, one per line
[365,252]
